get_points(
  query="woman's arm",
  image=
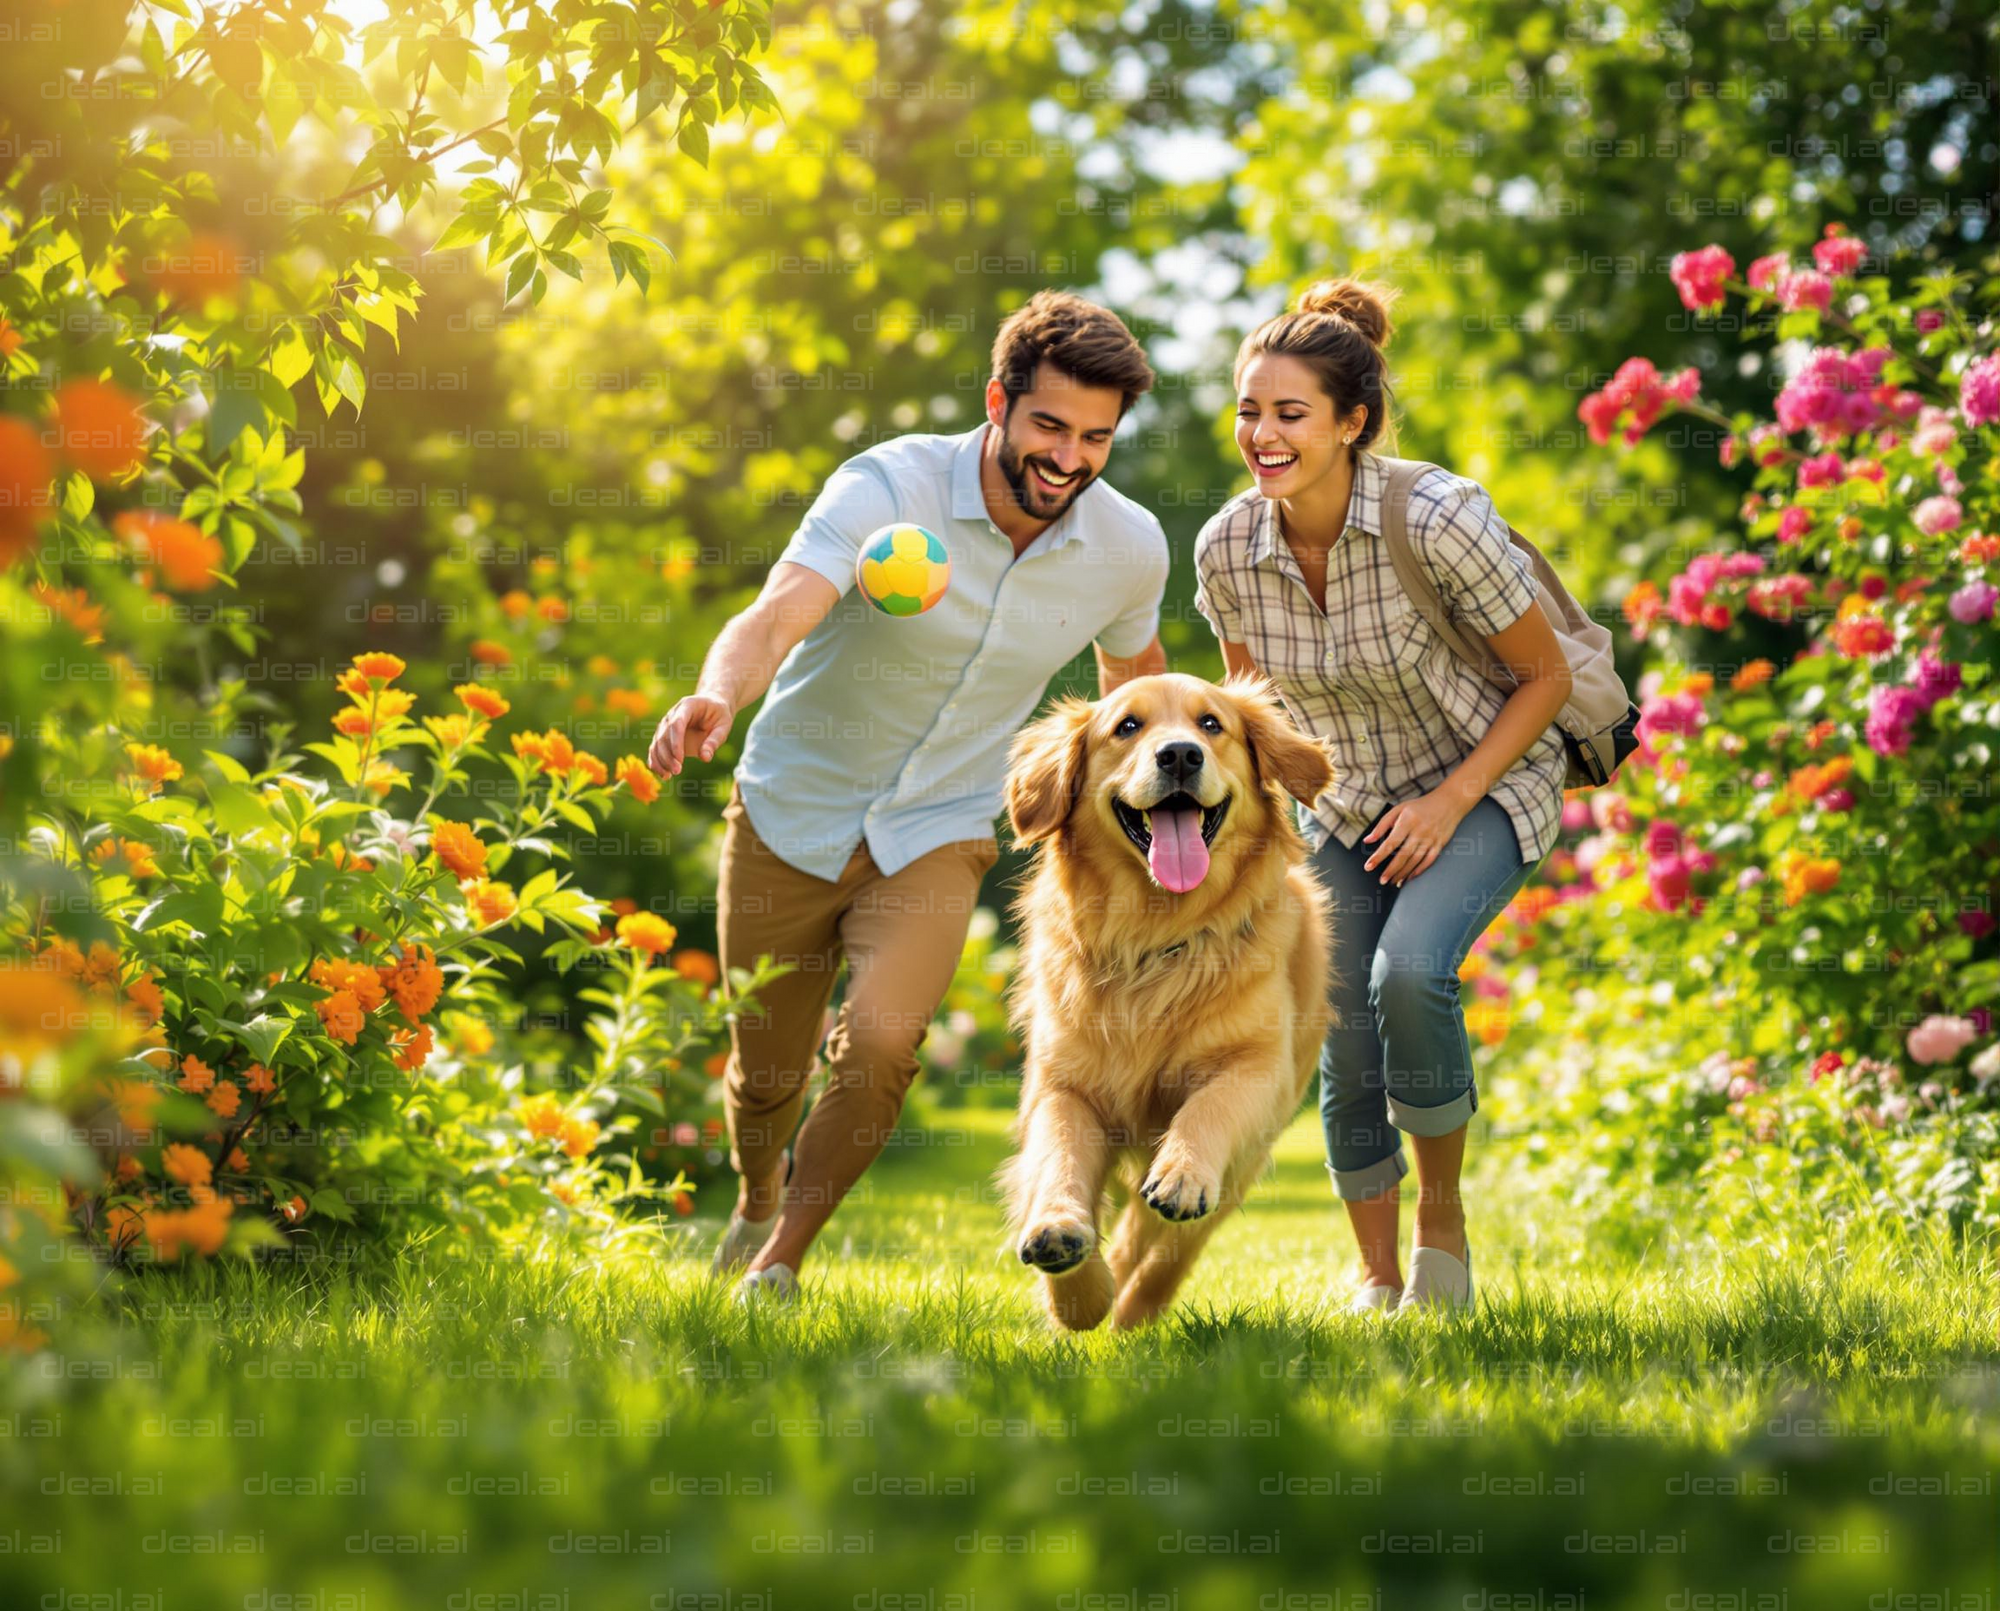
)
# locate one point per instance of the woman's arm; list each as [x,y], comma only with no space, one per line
[1235,658]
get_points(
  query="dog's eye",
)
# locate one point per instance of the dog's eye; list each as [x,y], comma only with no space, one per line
[1211,723]
[1126,728]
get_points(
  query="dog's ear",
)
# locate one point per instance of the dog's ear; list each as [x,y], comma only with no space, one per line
[1296,761]
[1045,770]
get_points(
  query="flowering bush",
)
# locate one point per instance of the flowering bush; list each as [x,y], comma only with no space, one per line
[1789,891]
[250,993]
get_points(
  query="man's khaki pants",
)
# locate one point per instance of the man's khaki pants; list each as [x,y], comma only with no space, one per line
[902,936]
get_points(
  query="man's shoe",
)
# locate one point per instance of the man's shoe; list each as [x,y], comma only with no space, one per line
[1438,1281]
[776,1283]
[741,1238]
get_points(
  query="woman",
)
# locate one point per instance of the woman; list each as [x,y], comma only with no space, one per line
[1447,790]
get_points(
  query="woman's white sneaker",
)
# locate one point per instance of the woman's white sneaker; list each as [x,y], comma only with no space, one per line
[741,1239]
[1376,1298]
[1437,1280]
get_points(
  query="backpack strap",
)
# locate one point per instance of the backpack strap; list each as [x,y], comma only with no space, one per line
[1399,476]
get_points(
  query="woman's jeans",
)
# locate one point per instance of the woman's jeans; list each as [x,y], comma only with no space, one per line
[1397,1057]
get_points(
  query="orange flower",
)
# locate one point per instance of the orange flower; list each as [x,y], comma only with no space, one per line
[459,848]
[1698,683]
[489,653]
[482,701]
[186,555]
[558,753]
[646,931]
[196,1076]
[225,1099]
[381,778]
[258,1079]
[1810,782]
[188,1165]
[415,981]
[1751,674]
[552,609]
[135,1101]
[414,1047]
[71,603]
[451,731]
[295,1210]
[129,1167]
[627,702]
[102,432]
[700,966]
[469,1037]
[153,765]
[238,1160]
[489,902]
[578,1136]
[356,978]
[590,768]
[342,1016]
[515,604]
[144,994]
[1804,875]
[353,721]
[638,777]
[542,1115]
[204,265]
[379,667]
[529,746]
[26,498]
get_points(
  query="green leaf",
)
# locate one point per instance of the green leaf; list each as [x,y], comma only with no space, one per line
[519,272]
[329,1202]
[693,141]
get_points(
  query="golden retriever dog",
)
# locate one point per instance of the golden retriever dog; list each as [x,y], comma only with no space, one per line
[1171,993]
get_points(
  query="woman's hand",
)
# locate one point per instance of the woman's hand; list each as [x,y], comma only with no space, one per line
[1416,830]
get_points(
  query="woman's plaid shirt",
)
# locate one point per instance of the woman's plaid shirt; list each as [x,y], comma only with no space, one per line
[1370,674]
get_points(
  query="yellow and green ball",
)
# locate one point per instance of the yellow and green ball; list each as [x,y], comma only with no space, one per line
[903,570]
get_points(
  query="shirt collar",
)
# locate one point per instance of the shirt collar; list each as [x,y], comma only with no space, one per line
[1364,509]
[968,499]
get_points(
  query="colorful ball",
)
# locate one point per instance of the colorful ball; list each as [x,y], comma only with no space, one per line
[903,570]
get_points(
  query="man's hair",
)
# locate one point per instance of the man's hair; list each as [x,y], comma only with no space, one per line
[1088,343]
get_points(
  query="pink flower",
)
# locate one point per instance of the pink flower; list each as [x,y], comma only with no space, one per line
[1672,713]
[1635,397]
[1832,394]
[1935,432]
[1973,603]
[1611,811]
[1977,924]
[1663,838]
[1935,679]
[1892,716]
[1838,798]
[1780,598]
[1938,1039]
[1808,288]
[1750,878]
[1765,272]
[1793,524]
[1979,391]
[1667,884]
[1934,515]
[1698,276]
[1826,470]
[1840,253]
[1929,319]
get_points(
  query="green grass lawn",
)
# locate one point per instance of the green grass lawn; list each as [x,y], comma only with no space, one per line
[1794,1425]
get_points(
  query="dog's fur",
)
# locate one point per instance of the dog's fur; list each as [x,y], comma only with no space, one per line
[1173,1070]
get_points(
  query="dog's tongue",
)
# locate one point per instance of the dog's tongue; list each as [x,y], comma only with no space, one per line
[1179,859]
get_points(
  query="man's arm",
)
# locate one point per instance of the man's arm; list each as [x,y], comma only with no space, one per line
[741,662]
[1148,662]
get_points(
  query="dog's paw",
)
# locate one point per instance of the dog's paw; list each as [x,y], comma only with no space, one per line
[1056,1246]
[1180,1188]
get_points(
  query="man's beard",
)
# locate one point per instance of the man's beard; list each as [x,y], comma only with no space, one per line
[1030,495]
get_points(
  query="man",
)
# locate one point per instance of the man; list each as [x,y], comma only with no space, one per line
[861,818]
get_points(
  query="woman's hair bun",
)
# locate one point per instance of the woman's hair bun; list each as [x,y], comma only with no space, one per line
[1364,306]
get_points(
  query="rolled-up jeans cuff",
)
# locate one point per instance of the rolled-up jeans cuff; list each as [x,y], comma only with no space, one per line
[1370,1180]
[1440,1120]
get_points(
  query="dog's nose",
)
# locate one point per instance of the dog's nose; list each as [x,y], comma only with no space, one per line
[1180,760]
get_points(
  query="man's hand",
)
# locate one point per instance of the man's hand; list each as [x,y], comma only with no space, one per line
[697,725]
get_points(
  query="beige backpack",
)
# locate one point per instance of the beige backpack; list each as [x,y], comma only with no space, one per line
[1598,722]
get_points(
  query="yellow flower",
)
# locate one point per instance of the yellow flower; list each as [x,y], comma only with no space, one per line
[153,765]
